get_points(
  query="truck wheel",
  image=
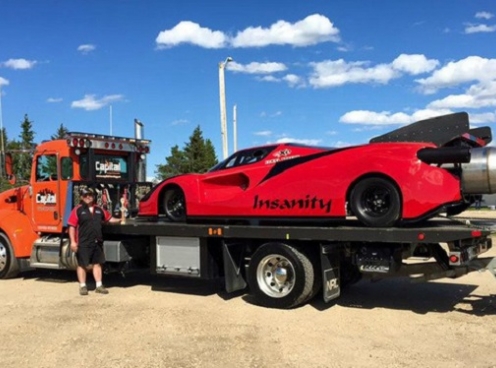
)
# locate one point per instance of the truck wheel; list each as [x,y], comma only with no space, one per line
[175,205]
[280,276]
[9,266]
[376,202]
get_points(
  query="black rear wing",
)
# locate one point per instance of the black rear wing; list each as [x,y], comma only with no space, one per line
[446,130]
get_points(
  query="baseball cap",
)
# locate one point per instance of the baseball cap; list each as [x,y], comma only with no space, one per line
[87,191]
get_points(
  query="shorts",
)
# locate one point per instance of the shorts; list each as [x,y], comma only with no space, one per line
[90,255]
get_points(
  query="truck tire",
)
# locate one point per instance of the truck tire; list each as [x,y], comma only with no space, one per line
[376,202]
[280,276]
[9,266]
[175,205]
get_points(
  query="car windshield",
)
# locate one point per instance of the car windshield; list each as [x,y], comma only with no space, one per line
[244,157]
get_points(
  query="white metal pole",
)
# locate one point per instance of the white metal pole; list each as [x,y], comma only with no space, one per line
[110,117]
[222,98]
[2,143]
[235,129]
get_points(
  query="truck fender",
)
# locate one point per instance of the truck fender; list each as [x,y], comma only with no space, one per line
[18,229]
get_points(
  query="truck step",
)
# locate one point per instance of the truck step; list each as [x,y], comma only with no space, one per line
[50,266]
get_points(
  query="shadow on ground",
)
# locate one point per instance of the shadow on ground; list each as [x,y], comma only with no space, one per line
[399,294]
[422,298]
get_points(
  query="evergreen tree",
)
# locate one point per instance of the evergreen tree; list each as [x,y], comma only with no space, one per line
[4,184]
[61,132]
[197,157]
[22,166]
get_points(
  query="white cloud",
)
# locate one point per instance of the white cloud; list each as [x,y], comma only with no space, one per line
[472,68]
[257,68]
[339,72]
[180,122]
[263,133]
[264,114]
[54,99]
[387,118]
[340,144]
[479,28]
[294,80]
[4,82]
[19,64]
[269,78]
[484,15]
[90,103]
[312,30]
[309,142]
[86,48]
[477,96]
[333,73]
[192,33]
[414,64]
[483,118]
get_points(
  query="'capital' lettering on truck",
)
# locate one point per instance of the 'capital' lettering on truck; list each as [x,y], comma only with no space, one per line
[107,166]
[46,197]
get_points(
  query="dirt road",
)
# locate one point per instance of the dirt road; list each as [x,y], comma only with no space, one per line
[148,322]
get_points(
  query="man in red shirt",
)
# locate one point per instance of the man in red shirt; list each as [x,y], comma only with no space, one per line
[85,233]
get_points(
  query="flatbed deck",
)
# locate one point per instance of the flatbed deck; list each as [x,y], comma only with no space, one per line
[432,231]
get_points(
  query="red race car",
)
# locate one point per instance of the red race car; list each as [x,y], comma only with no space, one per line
[411,174]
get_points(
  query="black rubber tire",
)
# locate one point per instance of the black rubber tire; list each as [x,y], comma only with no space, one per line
[9,265]
[264,267]
[175,205]
[376,202]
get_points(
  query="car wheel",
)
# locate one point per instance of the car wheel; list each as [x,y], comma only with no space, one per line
[280,276]
[376,202]
[175,205]
[9,266]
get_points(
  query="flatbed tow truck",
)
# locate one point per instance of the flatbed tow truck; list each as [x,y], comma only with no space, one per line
[281,266]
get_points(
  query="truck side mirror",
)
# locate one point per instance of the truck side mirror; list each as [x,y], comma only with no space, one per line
[9,169]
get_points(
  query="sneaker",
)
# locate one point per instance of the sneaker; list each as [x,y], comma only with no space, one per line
[101,290]
[83,290]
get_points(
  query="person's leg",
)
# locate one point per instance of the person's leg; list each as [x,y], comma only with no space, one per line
[81,275]
[97,273]
[82,257]
[97,260]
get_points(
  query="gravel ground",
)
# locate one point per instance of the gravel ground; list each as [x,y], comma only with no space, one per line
[156,322]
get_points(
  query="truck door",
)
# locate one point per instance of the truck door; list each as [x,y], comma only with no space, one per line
[47,199]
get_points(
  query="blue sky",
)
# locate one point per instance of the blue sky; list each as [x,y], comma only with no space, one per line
[323,72]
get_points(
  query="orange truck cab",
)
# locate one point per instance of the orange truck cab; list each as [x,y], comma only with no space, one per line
[33,217]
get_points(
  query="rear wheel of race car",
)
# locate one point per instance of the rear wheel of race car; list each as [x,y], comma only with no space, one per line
[280,276]
[9,266]
[175,205]
[376,202]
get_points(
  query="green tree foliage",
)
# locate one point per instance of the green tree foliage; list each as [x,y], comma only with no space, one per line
[197,156]
[61,132]
[22,166]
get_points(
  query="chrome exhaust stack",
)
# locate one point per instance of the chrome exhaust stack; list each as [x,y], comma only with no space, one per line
[479,175]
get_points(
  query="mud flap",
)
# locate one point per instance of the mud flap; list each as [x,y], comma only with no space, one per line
[233,257]
[329,259]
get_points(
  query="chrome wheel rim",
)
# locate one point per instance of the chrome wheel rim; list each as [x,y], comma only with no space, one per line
[3,257]
[276,276]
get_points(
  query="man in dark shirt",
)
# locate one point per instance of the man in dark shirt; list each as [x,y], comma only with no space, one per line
[85,233]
